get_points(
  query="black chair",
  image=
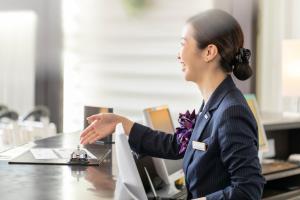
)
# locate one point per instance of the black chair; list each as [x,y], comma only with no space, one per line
[3,107]
[38,113]
[10,114]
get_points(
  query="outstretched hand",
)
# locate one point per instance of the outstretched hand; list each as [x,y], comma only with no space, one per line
[102,125]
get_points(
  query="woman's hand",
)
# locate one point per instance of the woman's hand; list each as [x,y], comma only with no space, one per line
[102,125]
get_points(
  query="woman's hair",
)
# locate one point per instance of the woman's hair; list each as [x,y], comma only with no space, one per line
[220,29]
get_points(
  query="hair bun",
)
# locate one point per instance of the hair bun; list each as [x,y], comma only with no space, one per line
[241,67]
[243,56]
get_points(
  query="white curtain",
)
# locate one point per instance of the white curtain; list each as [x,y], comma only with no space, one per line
[278,20]
[17,50]
[119,56]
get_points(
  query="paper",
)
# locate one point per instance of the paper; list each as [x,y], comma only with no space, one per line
[66,153]
[43,153]
[130,186]
[62,153]
[16,151]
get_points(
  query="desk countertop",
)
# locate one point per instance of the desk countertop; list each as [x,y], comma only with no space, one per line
[280,121]
[47,182]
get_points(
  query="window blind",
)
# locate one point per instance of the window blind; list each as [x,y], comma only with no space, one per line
[113,58]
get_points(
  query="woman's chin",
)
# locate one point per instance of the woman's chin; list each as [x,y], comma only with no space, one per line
[187,77]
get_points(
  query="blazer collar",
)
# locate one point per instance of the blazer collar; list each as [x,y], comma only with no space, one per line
[226,85]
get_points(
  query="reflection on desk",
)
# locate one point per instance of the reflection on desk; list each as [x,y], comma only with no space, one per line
[57,181]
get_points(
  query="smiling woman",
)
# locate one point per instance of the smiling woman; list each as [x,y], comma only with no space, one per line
[214,39]
[220,160]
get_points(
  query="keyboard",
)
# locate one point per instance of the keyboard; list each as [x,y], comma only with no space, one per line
[180,195]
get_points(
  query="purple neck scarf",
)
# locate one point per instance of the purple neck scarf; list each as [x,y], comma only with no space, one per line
[184,131]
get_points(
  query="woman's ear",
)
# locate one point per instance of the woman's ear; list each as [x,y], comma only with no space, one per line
[211,52]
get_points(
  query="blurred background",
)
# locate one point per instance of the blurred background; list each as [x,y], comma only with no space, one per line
[65,54]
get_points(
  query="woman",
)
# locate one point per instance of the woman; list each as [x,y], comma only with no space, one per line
[220,160]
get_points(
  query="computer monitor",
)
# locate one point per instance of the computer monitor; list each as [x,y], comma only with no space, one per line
[129,184]
[262,138]
[159,118]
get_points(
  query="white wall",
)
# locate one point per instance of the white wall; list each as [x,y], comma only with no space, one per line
[17,57]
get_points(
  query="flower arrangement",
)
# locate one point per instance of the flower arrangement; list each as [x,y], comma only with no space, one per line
[183,133]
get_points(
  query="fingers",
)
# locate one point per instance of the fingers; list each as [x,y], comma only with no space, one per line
[96,130]
[85,139]
[94,138]
[90,138]
[93,118]
[87,130]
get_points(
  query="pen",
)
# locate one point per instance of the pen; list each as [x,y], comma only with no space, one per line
[103,157]
[104,142]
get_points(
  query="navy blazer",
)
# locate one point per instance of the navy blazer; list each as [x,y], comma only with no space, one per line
[229,168]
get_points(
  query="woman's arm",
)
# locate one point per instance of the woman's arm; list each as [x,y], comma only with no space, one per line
[142,139]
[237,137]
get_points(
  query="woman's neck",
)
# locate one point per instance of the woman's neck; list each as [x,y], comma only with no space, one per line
[210,83]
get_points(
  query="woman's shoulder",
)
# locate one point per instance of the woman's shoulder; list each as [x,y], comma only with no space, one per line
[234,98]
[234,104]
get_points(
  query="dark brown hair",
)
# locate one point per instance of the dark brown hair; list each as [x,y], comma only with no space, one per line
[219,28]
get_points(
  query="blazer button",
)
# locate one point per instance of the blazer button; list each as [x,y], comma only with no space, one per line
[205,116]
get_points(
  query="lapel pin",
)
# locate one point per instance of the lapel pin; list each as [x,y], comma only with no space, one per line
[206,116]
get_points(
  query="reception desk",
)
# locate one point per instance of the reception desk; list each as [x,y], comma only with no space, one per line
[61,182]
[282,184]
[58,182]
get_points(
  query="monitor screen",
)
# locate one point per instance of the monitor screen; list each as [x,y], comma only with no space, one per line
[262,138]
[159,118]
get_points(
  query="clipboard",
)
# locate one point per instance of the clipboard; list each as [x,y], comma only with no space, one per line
[28,158]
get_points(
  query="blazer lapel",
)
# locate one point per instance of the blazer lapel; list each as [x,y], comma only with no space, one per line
[205,116]
[202,121]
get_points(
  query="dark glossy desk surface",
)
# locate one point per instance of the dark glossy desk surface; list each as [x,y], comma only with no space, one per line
[43,182]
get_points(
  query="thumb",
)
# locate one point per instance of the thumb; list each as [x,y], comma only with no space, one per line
[93,118]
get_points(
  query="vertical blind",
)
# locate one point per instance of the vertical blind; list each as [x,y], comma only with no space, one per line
[120,56]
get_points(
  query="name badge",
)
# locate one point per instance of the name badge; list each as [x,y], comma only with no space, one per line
[199,146]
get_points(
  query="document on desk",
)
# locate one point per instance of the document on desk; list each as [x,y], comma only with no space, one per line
[43,154]
[66,153]
[60,153]
[14,152]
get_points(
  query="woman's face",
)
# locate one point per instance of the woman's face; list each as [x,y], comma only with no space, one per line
[190,56]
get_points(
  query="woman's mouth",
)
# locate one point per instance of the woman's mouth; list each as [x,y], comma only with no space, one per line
[183,66]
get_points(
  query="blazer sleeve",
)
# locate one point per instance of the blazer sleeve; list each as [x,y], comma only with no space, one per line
[144,140]
[237,136]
